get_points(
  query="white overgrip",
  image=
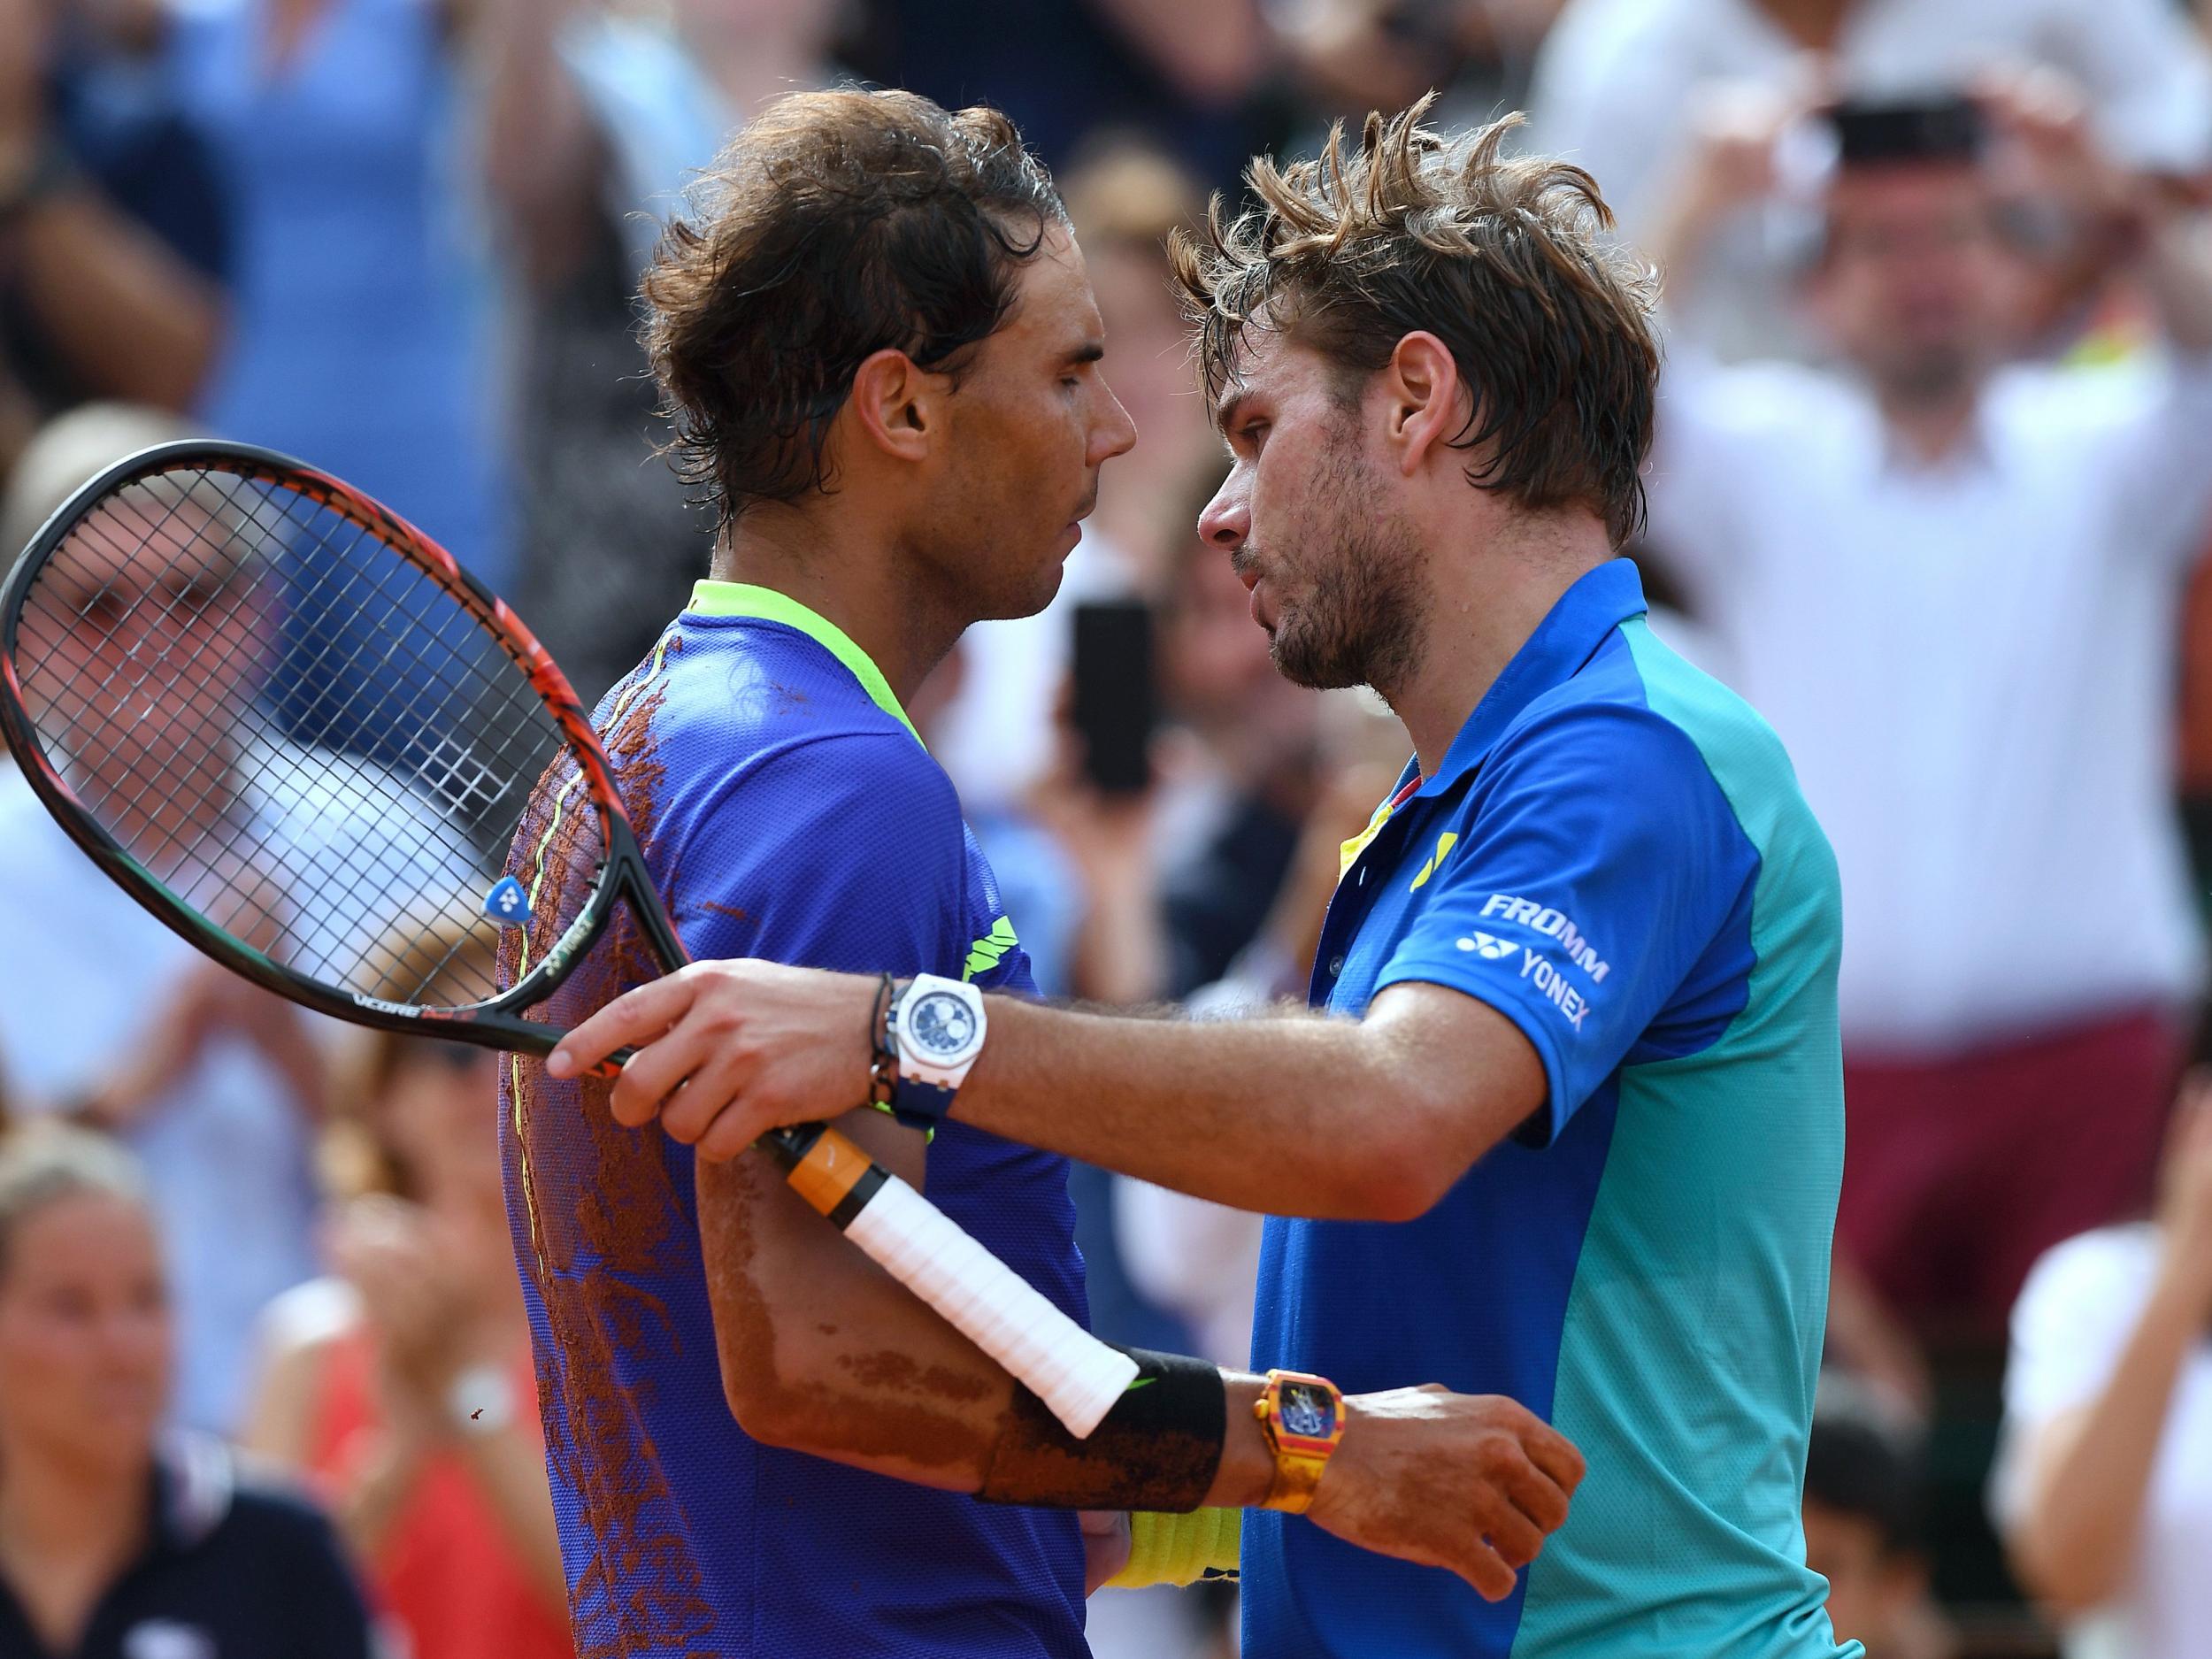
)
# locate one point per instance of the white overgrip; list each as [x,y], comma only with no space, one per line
[1076,1376]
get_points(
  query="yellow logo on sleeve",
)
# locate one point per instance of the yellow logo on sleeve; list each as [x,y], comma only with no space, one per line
[984,955]
[1445,842]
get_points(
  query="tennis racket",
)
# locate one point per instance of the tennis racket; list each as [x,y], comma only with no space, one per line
[291,727]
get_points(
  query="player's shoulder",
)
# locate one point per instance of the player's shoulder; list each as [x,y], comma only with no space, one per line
[750,678]
[1622,723]
[729,702]
[1651,747]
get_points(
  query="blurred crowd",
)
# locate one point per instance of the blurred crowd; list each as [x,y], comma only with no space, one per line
[1932,490]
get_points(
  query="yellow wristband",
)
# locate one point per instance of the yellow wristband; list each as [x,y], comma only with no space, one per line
[1181,1548]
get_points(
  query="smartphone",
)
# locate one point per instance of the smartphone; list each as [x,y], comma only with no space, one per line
[1115,707]
[1948,127]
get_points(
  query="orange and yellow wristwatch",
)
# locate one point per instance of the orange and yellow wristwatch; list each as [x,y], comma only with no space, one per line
[1303,1417]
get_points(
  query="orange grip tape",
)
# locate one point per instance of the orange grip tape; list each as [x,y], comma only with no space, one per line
[830,1169]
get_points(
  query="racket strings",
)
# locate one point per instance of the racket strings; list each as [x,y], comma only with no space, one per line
[215,784]
[313,743]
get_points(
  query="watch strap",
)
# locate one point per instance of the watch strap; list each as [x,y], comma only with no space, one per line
[914,1094]
[1298,1467]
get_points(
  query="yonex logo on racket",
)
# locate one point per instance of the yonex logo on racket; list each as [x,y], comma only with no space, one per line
[508,904]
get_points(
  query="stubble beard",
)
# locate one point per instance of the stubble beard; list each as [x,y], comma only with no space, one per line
[1361,623]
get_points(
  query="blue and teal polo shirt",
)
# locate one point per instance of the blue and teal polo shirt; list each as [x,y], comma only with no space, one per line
[1614,855]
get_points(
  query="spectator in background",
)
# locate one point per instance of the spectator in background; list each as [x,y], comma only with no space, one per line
[114,1543]
[360,337]
[1179,880]
[403,1386]
[1353,56]
[107,1014]
[1181,71]
[596,118]
[113,245]
[1620,84]
[998,738]
[1863,1495]
[2103,1488]
[1951,586]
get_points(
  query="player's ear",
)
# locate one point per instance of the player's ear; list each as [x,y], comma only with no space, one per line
[1429,403]
[898,406]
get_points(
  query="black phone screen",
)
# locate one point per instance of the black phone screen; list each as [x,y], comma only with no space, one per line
[1115,707]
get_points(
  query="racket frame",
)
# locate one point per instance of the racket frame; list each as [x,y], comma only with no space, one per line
[1078,1376]
[492,1023]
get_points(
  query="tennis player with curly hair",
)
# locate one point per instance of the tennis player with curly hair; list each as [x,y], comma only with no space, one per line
[1583,1063]
[883,355]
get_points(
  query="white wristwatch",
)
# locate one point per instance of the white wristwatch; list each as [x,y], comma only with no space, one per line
[937,1031]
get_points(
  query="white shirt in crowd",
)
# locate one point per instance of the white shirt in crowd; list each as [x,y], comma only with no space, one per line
[2073,1319]
[1618,81]
[227,1152]
[1972,666]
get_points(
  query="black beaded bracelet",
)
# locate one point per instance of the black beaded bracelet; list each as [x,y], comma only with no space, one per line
[883,1060]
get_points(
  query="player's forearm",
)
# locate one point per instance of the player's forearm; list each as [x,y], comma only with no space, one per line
[1291,1115]
[824,1353]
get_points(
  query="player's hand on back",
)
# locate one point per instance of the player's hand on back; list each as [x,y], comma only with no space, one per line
[1471,1483]
[728,1050]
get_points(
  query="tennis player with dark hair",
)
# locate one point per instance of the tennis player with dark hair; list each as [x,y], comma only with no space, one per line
[882,354]
[1582,961]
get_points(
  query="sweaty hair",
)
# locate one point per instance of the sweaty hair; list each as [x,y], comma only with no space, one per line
[41,1164]
[1502,259]
[836,226]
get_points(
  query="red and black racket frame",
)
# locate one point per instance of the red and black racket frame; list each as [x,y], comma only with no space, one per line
[622,875]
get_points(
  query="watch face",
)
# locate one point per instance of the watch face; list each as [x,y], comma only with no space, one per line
[942,1025]
[1306,1411]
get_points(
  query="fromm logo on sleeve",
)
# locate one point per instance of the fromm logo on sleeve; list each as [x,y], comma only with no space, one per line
[1552,925]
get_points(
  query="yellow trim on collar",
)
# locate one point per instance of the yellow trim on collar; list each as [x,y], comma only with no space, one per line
[710,598]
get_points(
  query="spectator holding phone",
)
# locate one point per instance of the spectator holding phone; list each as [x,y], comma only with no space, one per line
[1621,86]
[115,1543]
[1950,581]
[2104,1487]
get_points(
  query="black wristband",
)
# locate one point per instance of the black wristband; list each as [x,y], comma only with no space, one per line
[1158,1448]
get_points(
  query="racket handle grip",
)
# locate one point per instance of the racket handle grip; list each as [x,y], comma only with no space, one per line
[1076,1376]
